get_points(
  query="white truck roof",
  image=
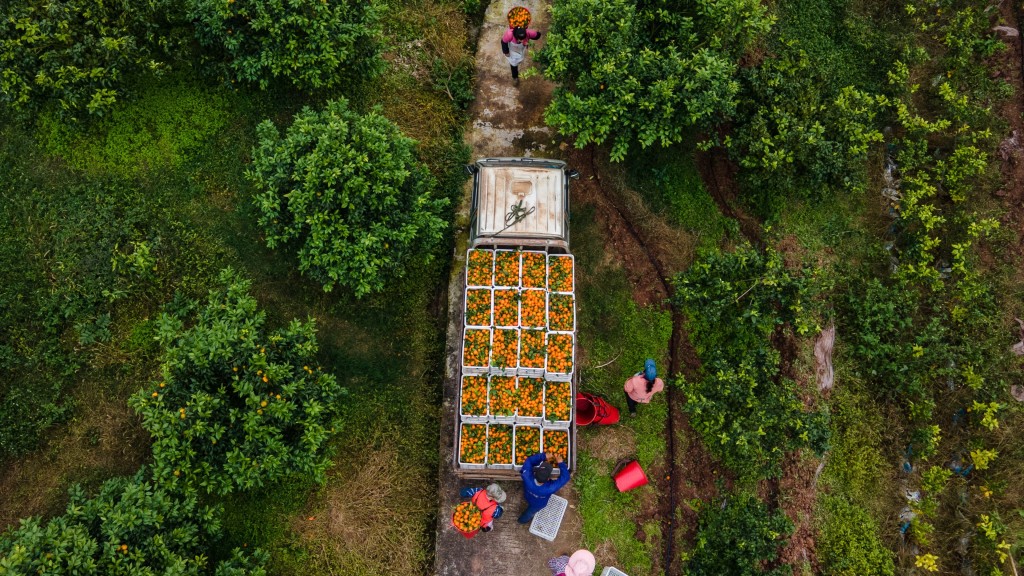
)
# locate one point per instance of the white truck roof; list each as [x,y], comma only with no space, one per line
[533,188]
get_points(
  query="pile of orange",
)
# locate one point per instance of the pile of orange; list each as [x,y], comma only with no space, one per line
[532,314]
[527,443]
[532,348]
[531,397]
[560,353]
[506,307]
[499,444]
[556,400]
[476,347]
[478,307]
[474,395]
[518,17]
[473,443]
[557,442]
[503,396]
[505,348]
[467,517]
[534,270]
[560,273]
[560,312]
[506,268]
[478,267]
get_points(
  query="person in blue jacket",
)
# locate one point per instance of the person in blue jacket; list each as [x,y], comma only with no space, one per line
[537,483]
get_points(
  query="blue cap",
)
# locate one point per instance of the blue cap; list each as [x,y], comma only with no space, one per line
[650,370]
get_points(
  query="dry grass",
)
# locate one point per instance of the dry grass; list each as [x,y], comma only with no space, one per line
[365,521]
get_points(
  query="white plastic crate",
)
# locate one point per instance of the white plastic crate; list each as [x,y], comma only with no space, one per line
[544,446]
[550,422]
[490,280]
[505,370]
[496,466]
[547,311]
[561,376]
[612,571]
[543,257]
[472,370]
[572,276]
[494,301]
[490,308]
[474,418]
[543,320]
[469,465]
[532,372]
[491,416]
[515,443]
[536,420]
[547,522]
[515,283]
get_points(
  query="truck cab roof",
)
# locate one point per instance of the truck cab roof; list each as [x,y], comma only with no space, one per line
[520,202]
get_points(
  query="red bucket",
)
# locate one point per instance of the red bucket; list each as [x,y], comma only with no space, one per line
[586,412]
[460,531]
[631,476]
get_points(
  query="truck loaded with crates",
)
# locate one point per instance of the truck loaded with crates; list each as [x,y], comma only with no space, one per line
[518,378]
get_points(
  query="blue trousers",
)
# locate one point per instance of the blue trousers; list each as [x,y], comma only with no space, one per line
[530,512]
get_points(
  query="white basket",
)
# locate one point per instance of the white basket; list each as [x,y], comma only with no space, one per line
[475,370]
[547,311]
[558,424]
[474,466]
[521,268]
[572,288]
[474,418]
[491,283]
[494,301]
[611,571]
[547,522]
[544,323]
[494,276]
[561,376]
[465,308]
[495,418]
[536,420]
[515,443]
[531,372]
[492,466]
[509,370]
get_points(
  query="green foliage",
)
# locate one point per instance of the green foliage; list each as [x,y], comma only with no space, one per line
[163,127]
[73,55]
[747,414]
[793,137]
[132,527]
[848,542]
[645,73]
[238,407]
[314,44]
[738,537]
[346,188]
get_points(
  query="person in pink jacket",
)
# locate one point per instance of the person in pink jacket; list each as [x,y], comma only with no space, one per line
[514,43]
[642,386]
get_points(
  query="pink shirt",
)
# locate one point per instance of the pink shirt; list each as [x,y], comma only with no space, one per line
[636,387]
[507,37]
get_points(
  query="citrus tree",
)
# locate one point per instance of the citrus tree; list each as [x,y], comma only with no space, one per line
[132,527]
[348,191]
[740,537]
[74,54]
[311,43]
[645,72]
[237,405]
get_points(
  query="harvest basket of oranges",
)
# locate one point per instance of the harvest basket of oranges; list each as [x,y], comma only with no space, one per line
[473,446]
[557,442]
[506,268]
[560,273]
[527,443]
[533,304]
[476,350]
[466,519]
[478,307]
[501,398]
[504,350]
[532,352]
[561,312]
[499,446]
[480,268]
[473,398]
[530,396]
[535,269]
[518,17]
[506,308]
[561,346]
[558,402]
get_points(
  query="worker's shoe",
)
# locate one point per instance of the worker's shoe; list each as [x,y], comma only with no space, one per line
[633,413]
[487,528]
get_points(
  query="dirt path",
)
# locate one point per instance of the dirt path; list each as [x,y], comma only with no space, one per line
[506,121]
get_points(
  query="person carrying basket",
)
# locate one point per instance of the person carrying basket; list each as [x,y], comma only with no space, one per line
[516,40]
